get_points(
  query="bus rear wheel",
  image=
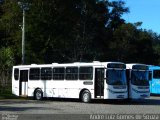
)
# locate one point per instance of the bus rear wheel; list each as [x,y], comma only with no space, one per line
[38,94]
[86,96]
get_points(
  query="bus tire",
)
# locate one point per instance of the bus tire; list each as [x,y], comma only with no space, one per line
[86,96]
[38,94]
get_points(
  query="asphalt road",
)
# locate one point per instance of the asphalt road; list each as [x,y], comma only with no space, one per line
[71,109]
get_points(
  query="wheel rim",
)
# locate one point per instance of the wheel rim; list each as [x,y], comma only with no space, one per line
[38,95]
[86,97]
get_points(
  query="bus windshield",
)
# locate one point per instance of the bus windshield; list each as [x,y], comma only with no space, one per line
[116,77]
[139,78]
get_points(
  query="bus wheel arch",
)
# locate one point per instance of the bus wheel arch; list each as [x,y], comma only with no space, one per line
[85,96]
[38,94]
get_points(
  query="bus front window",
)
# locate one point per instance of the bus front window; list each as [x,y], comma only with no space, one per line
[116,77]
[139,78]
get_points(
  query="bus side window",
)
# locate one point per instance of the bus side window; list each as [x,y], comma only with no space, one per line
[86,73]
[72,73]
[58,73]
[156,74]
[150,75]
[34,74]
[46,73]
[16,73]
[24,75]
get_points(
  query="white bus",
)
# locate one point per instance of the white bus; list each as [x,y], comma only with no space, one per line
[138,81]
[103,80]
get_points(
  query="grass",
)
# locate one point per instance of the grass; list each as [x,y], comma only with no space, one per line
[8,96]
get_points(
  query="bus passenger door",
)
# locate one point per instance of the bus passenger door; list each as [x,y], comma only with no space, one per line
[99,83]
[23,91]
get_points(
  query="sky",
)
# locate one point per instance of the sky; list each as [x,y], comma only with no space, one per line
[145,11]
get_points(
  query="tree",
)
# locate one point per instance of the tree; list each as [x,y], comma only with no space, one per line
[9,27]
[144,46]
[117,10]
[123,43]
[8,41]
[131,44]
[6,63]
[64,31]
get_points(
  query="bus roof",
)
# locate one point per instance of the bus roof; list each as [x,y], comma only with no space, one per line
[94,63]
[137,66]
[151,67]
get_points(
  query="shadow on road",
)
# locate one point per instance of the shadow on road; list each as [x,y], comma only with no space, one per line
[150,101]
[12,109]
[19,101]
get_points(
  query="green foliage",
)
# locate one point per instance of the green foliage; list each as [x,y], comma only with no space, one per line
[71,30]
[74,30]
[6,58]
[123,41]
[6,63]
[133,44]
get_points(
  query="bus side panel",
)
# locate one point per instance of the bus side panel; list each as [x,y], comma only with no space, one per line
[62,89]
[33,85]
[15,85]
[68,89]
[154,81]
[155,86]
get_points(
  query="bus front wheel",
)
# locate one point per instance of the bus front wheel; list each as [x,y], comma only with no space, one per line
[86,96]
[38,94]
